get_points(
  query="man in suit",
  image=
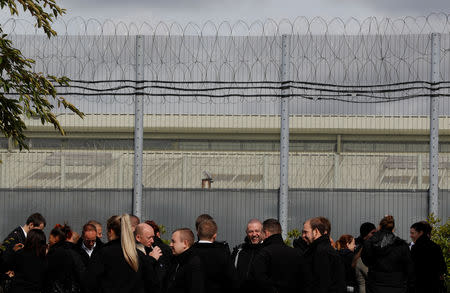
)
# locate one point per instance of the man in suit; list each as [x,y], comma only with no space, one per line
[18,237]
[89,244]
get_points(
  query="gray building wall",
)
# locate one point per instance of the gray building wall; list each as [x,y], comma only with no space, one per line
[175,208]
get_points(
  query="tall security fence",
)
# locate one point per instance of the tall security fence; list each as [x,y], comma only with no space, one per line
[282,119]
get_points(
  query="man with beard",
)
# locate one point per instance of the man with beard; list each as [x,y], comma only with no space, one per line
[244,254]
[326,266]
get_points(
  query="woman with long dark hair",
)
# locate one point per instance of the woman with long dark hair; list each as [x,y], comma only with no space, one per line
[119,266]
[28,263]
[64,264]
[388,259]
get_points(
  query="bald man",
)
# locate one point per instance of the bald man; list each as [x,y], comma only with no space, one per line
[244,254]
[144,234]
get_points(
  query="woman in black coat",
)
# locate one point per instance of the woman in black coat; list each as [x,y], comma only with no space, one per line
[388,259]
[119,266]
[28,263]
[65,267]
[345,247]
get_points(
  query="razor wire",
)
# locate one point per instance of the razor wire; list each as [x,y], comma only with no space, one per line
[371,61]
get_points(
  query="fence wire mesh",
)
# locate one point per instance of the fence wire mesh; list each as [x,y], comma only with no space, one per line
[358,98]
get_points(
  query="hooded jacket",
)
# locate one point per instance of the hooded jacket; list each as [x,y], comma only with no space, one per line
[389,262]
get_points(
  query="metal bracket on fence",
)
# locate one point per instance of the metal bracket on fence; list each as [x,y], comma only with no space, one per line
[434,125]
[138,129]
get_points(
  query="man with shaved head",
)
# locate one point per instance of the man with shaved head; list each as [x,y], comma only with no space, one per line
[244,254]
[144,239]
[186,273]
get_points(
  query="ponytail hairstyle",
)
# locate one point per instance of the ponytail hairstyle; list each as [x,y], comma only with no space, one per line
[344,241]
[63,232]
[387,223]
[128,243]
[122,228]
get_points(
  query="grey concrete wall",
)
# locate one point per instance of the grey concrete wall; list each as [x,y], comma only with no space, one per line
[346,209]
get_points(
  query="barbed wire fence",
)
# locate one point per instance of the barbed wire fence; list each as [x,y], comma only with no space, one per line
[361,68]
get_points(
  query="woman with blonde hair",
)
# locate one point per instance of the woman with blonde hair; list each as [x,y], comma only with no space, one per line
[119,266]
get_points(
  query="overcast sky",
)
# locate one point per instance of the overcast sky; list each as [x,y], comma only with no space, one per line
[199,11]
[248,10]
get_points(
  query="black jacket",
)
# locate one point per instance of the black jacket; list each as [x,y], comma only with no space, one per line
[350,274]
[109,272]
[300,244]
[220,274]
[165,259]
[65,268]
[242,258]
[429,265]
[327,268]
[16,236]
[280,268]
[84,255]
[185,275]
[30,271]
[389,262]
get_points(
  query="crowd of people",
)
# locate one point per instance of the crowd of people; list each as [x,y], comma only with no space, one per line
[135,259]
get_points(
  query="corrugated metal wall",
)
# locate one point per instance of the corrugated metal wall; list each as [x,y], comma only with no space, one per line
[176,208]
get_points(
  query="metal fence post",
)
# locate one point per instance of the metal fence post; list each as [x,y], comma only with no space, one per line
[434,125]
[284,137]
[138,128]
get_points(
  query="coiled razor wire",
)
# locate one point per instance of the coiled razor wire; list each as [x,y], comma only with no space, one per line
[353,61]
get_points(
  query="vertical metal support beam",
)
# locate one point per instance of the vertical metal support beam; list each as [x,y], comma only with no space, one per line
[120,173]
[284,137]
[419,171]
[62,179]
[434,125]
[138,129]
[185,170]
[2,172]
[336,170]
[266,180]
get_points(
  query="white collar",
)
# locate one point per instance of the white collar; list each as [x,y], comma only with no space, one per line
[204,241]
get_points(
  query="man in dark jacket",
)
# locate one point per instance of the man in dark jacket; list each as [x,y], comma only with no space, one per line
[277,267]
[388,259]
[429,263]
[244,254]
[326,266]
[366,231]
[186,273]
[89,244]
[165,259]
[18,235]
[220,273]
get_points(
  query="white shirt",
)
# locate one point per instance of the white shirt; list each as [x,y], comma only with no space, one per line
[88,251]
[24,231]
[204,241]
